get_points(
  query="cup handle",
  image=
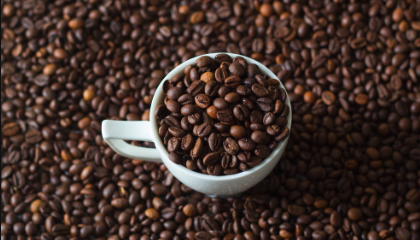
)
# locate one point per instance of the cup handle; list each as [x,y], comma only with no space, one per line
[113,132]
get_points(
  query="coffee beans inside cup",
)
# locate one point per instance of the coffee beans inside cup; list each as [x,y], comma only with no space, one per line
[222,116]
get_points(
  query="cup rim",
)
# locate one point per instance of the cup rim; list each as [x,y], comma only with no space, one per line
[159,96]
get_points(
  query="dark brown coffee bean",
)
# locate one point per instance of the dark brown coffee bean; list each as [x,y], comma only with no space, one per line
[202,235]
[204,61]
[241,112]
[231,146]
[220,103]
[265,104]
[10,129]
[173,144]
[176,132]
[269,118]
[198,148]
[211,158]
[237,131]
[215,141]
[187,142]
[185,99]
[202,100]
[211,88]
[225,160]
[246,144]
[172,121]
[225,116]
[273,130]
[256,117]
[196,88]
[204,130]
[260,90]
[262,151]
[254,161]
[214,169]
[223,58]
[174,93]
[194,119]
[161,111]
[173,106]
[233,81]
[260,137]
[187,110]
[237,69]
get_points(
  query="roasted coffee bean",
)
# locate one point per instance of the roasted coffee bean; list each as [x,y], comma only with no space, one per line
[225,116]
[265,104]
[211,158]
[173,144]
[194,119]
[260,137]
[237,131]
[215,141]
[233,81]
[269,118]
[237,69]
[246,144]
[204,130]
[187,142]
[214,169]
[262,151]
[212,89]
[241,112]
[198,148]
[220,103]
[187,110]
[185,99]
[221,127]
[260,90]
[202,100]
[176,132]
[231,146]
[196,88]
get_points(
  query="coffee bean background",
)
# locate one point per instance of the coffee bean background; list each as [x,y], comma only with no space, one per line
[351,168]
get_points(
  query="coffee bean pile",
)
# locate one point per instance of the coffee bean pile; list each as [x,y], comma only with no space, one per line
[351,169]
[222,116]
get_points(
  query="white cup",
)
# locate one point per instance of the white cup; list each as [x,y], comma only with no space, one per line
[114,132]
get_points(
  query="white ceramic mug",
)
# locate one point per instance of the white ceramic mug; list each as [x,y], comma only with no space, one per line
[114,132]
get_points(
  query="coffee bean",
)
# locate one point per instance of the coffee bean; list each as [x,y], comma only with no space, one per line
[231,146]
[233,81]
[265,104]
[237,69]
[204,61]
[198,148]
[225,116]
[176,132]
[237,131]
[215,141]
[211,158]
[196,88]
[202,100]
[262,151]
[173,144]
